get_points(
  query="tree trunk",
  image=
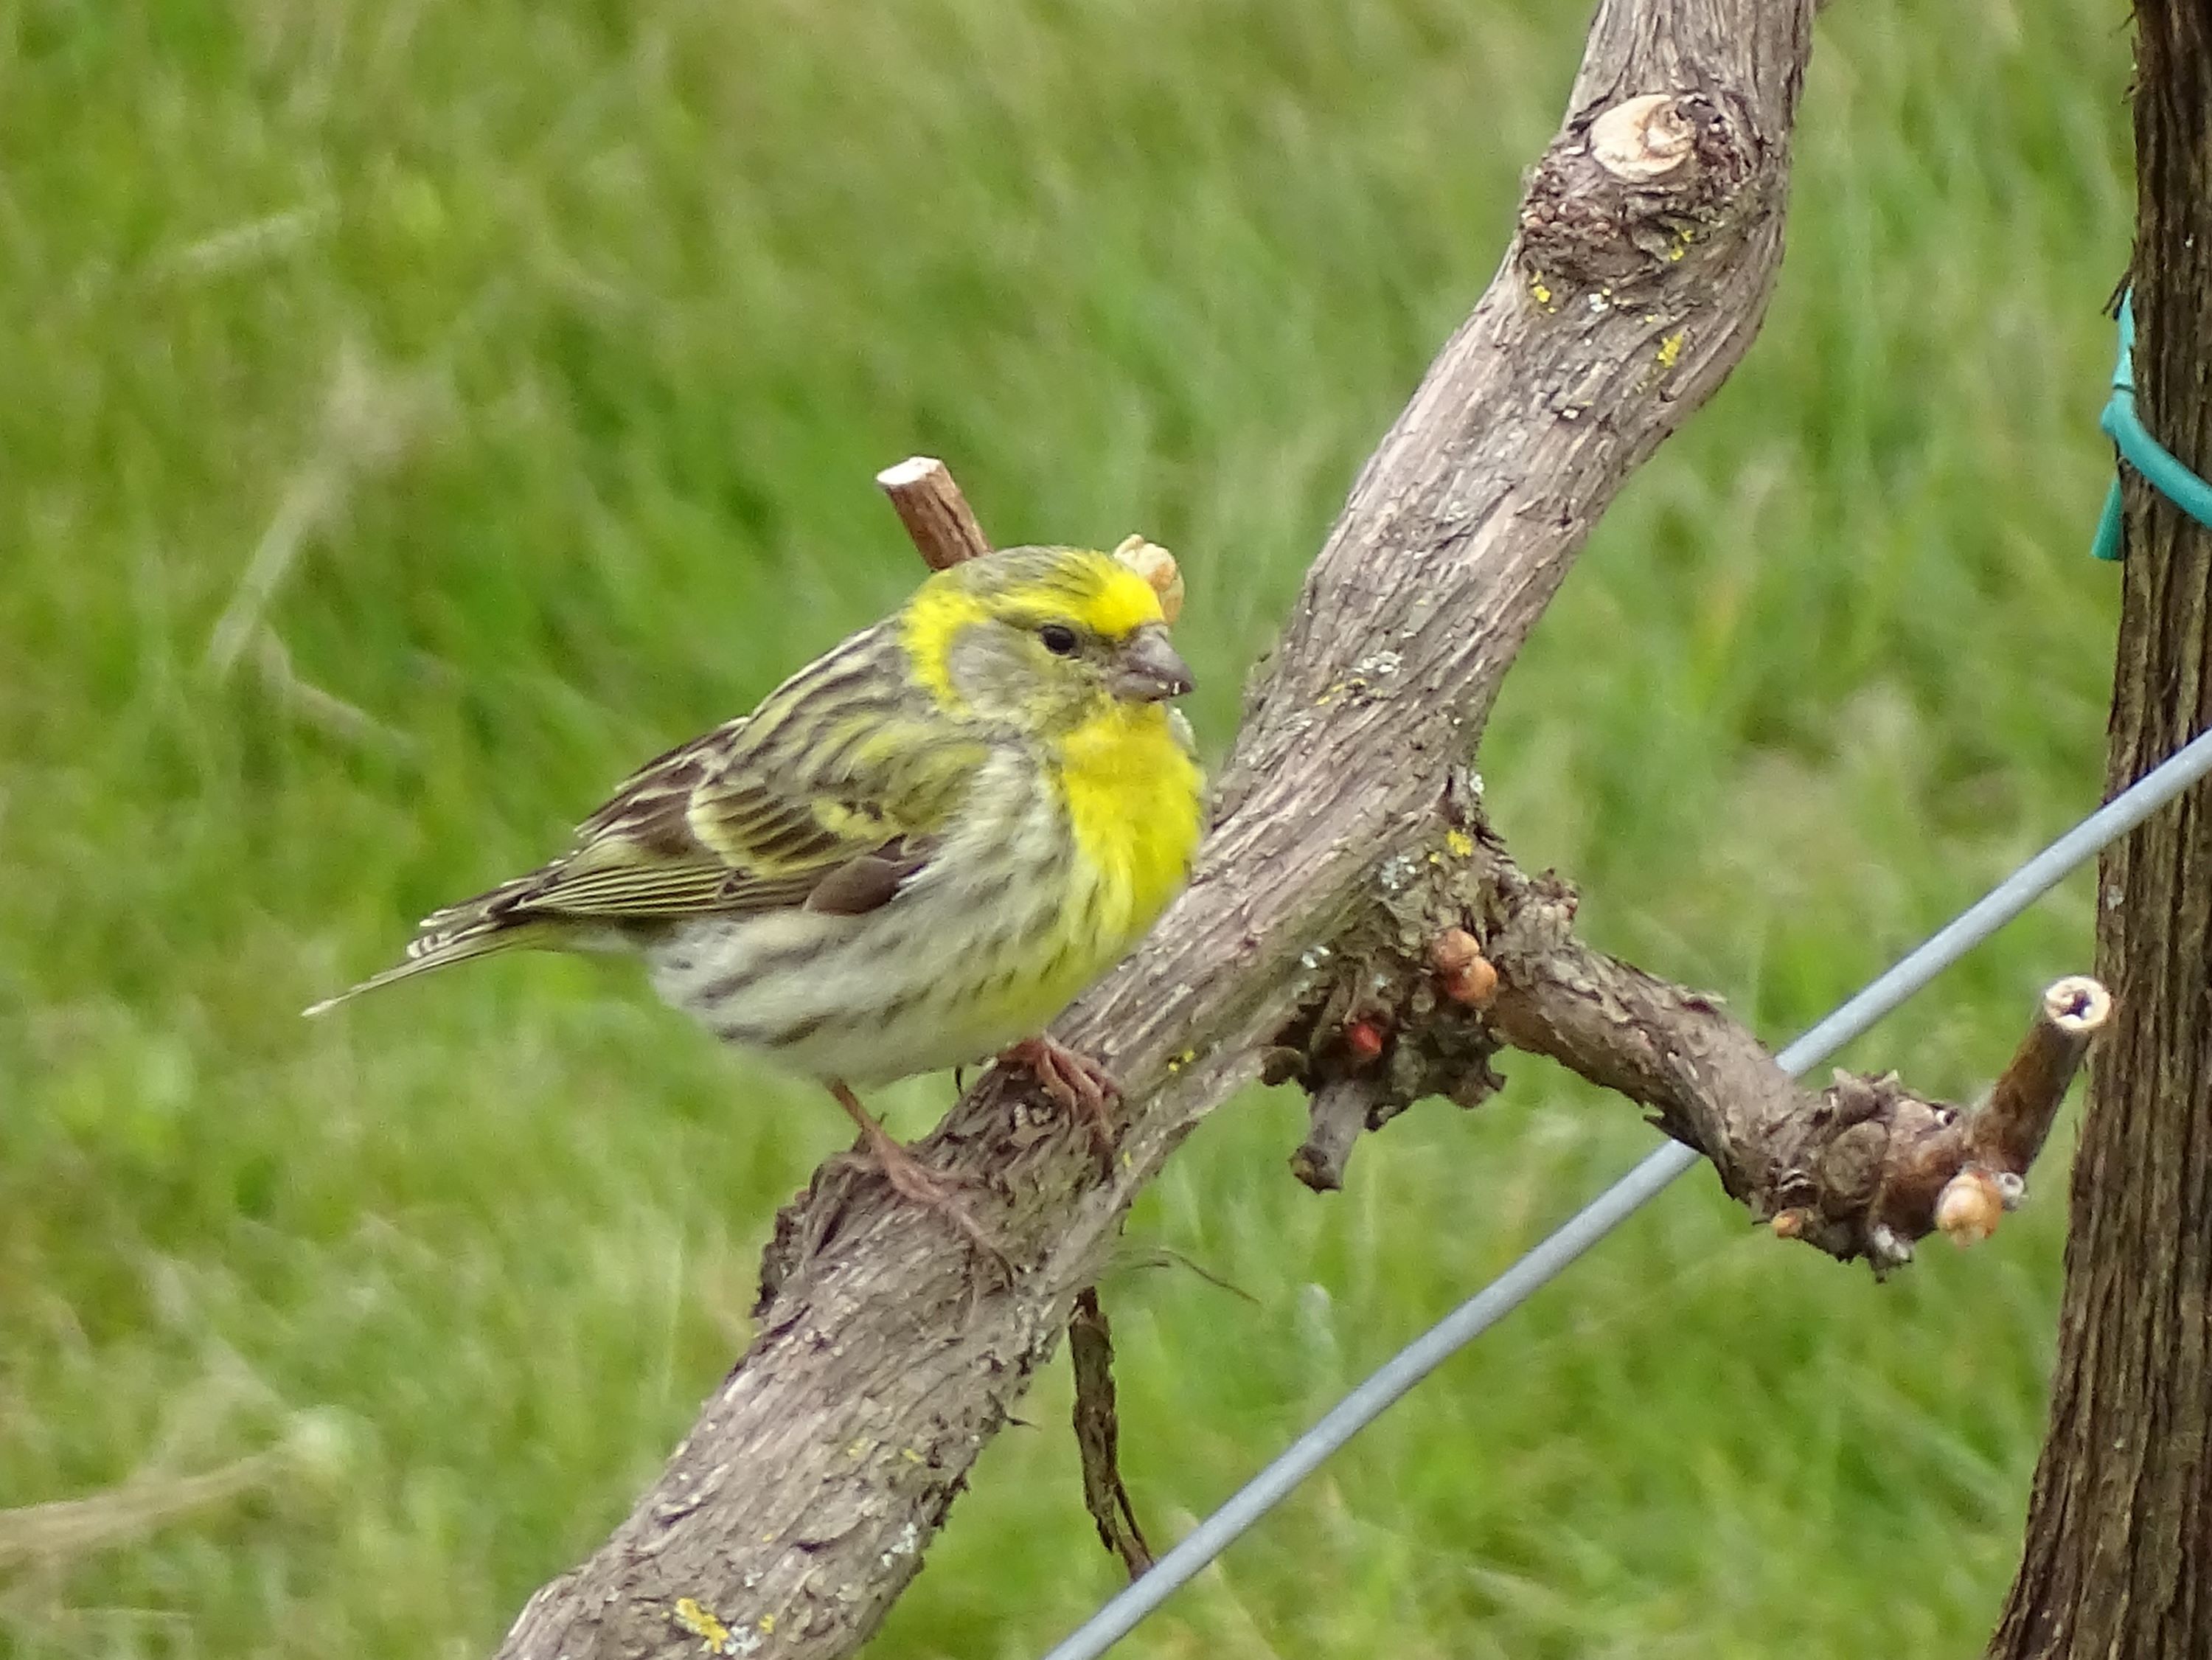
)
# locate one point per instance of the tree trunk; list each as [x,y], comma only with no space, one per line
[2118,1563]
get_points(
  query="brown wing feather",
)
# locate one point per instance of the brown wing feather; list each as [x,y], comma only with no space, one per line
[806,801]
[725,844]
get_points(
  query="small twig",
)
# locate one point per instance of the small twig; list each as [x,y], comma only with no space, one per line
[1098,1433]
[934,512]
[2003,1138]
[1160,1256]
[2010,1128]
[1337,1114]
[943,529]
[1862,1168]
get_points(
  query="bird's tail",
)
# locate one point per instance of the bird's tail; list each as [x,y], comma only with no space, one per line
[476,927]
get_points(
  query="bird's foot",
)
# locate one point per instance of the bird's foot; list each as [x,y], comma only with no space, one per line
[934,1190]
[1079,1084]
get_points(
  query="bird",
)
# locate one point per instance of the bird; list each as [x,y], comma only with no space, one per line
[912,853]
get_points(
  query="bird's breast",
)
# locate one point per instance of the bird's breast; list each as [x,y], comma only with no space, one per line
[1132,794]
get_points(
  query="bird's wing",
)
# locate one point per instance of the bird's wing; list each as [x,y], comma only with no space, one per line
[708,828]
[832,795]
[835,809]
[699,832]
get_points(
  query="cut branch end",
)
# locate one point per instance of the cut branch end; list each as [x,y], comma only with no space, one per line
[1339,1111]
[1642,137]
[936,515]
[2009,1130]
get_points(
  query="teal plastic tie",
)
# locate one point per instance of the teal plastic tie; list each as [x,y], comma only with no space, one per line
[2140,450]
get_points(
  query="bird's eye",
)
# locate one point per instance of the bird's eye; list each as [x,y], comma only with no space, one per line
[1058,639]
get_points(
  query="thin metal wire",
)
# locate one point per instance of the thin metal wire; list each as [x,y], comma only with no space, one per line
[1610,1209]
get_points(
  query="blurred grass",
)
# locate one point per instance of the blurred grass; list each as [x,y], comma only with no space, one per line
[574,333]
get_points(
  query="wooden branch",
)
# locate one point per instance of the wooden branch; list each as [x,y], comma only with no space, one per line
[1337,1110]
[2010,1128]
[934,512]
[2003,1138]
[1098,1434]
[1860,1170]
[799,1506]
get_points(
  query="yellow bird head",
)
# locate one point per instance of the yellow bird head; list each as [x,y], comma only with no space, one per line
[1042,639]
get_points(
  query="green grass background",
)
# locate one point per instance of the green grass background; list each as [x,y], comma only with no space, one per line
[573,332]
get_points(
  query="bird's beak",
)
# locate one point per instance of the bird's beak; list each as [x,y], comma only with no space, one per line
[1147,670]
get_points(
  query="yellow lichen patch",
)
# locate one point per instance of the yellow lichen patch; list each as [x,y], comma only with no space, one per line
[1540,290]
[1670,349]
[1460,845]
[702,1623]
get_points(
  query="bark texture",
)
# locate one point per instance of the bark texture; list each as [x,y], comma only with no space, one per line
[2118,1563]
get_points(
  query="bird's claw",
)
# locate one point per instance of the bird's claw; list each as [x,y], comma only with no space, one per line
[1085,1088]
[940,1193]
[934,1190]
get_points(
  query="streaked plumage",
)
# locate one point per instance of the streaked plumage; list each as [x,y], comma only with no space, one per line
[916,850]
